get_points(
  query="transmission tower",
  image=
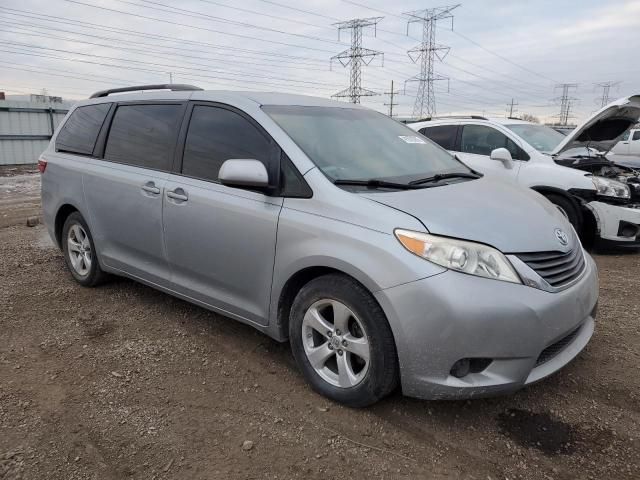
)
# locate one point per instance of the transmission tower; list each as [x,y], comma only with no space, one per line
[511,106]
[391,104]
[356,56]
[427,52]
[606,89]
[566,102]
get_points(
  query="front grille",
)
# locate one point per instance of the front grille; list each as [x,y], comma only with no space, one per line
[557,268]
[555,348]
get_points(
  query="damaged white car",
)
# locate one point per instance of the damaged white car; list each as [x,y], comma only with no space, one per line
[599,197]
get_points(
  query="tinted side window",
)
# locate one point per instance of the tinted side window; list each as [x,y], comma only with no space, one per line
[217,134]
[143,135]
[80,131]
[482,140]
[443,135]
[636,135]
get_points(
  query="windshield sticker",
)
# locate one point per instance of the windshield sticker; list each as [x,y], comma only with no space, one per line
[411,139]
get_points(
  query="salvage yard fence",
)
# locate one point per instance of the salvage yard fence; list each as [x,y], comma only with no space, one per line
[26,128]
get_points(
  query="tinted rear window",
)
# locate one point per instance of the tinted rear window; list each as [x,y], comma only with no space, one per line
[443,135]
[143,135]
[80,131]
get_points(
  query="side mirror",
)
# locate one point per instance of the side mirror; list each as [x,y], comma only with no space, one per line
[503,155]
[243,173]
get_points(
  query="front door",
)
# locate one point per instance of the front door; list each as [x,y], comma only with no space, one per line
[476,144]
[221,240]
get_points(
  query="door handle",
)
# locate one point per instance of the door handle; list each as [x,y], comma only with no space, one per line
[150,187]
[178,194]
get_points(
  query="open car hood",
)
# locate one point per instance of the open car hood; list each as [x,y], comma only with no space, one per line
[604,128]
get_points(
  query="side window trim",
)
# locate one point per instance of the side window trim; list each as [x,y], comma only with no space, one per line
[274,154]
[101,142]
[106,127]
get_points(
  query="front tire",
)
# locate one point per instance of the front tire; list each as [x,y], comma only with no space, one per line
[79,251]
[342,342]
[568,209]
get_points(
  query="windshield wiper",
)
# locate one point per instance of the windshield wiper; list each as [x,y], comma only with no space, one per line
[444,176]
[375,183]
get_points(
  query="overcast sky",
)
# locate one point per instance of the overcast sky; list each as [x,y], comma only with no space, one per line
[499,49]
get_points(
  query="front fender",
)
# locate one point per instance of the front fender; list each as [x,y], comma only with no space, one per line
[375,259]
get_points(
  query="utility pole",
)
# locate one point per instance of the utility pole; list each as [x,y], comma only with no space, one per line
[170,77]
[427,52]
[511,109]
[356,56]
[566,102]
[606,89]
[391,94]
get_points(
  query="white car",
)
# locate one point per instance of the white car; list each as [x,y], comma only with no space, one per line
[600,198]
[629,144]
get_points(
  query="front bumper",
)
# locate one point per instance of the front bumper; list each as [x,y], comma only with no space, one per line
[615,223]
[451,316]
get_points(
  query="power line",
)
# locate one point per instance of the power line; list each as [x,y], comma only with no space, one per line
[165,65]
[164,53]
[172,40]
[427,52]
[243,83]
[299,10]
[356,56]
[502,57]
[213,18]
[263,14]
[156,19]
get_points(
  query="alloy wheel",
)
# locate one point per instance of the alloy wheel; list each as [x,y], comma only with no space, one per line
[79,248]
[335,343]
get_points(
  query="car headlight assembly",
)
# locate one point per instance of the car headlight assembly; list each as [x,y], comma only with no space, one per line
[460,255]
[611,188]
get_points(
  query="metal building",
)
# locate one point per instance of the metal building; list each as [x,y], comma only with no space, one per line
[26,127]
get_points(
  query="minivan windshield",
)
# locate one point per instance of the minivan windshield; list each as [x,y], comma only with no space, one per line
[542,138]
[358,144]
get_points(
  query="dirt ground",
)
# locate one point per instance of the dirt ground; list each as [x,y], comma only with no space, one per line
[125,382]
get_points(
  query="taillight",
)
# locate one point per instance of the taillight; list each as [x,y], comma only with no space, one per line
[42,165]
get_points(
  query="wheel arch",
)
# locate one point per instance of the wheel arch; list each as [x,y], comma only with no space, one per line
[295,282]
[588,224]
[61,216]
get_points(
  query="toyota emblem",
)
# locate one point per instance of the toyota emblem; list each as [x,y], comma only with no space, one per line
[562,237]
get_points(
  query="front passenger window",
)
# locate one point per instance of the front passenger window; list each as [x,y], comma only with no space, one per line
[482,140]
[217,134]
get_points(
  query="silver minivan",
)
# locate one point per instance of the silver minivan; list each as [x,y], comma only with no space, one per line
[379,256]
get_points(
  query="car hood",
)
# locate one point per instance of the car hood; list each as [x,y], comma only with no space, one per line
[604,128]
[502,214]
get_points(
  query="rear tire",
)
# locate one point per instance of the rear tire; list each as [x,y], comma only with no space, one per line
[567,208]
[80,253]
[342,342]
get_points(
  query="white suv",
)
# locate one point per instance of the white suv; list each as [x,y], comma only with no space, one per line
[629,144]
[600,198]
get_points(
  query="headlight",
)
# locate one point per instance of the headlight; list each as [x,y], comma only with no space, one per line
[467,257]
[611,188]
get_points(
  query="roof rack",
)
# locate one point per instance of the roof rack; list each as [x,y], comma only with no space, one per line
[174,87]
[428,119]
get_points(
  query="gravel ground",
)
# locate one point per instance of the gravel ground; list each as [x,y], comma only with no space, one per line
[125,382]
